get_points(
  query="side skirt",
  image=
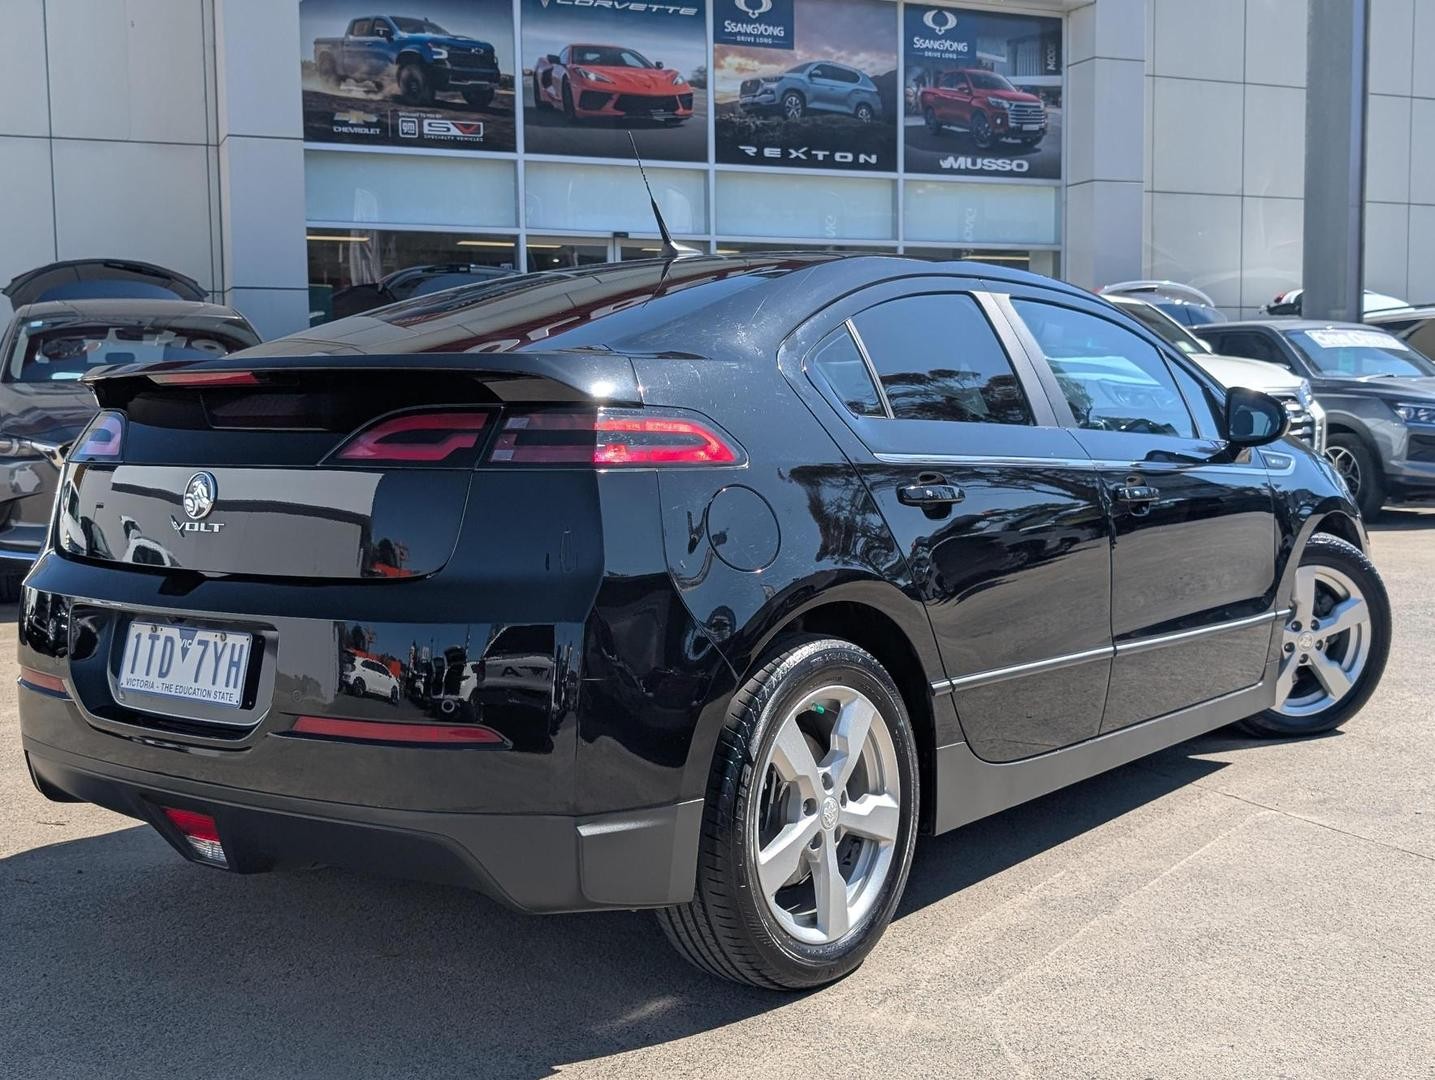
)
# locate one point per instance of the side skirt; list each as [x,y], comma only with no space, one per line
[969,789]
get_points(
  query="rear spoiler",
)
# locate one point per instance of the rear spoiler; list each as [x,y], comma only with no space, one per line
[576,376]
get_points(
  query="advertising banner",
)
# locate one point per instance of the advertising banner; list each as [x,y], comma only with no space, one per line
[806,83]
[436,74]
[982,94]
[595,70]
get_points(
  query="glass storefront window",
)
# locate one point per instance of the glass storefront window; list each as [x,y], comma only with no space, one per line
[355,270]
[558,253]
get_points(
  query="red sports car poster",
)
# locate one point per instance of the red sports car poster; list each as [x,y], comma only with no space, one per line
[593,73]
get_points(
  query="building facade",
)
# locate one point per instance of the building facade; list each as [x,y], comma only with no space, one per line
[283,151]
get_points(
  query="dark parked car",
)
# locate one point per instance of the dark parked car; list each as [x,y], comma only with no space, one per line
[70,318]
[409,282]
[1415,326]
[822,86]
[1378,394]
[744,571]
[417,57]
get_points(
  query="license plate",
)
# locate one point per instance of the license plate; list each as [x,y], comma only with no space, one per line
[1031,127]
[186,662]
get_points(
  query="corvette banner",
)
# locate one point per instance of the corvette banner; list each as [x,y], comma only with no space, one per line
[439,79]
[595,71]
[808,84]
[982,94]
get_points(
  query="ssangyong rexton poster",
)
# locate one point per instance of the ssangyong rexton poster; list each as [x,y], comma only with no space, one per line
[436,74]
[806,83]
[982,94]
[595,70]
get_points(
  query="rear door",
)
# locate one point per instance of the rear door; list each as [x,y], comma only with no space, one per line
[1194,530]
[996,508]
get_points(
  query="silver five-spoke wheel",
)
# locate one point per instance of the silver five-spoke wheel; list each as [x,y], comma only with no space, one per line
[825,825]
[1327,642]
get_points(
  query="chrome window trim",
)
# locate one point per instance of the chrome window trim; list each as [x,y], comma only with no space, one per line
[871,367]
[1125,648]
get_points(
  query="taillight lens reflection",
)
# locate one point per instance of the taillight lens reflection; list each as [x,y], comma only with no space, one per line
[609,438]
[103,440]
[436,438]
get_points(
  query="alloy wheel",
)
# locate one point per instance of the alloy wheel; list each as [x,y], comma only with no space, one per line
[1326,644]
[1348,466]
[824,828]
[793,106]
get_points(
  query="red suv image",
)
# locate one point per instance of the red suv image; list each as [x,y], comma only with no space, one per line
[592,81]
[985,105]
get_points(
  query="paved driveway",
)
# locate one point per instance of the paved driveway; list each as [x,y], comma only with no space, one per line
[1229,908]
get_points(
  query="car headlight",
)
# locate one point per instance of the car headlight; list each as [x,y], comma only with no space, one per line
[591,76]
[678,79]
[1000,103]
[1415,412]
[438,53]
[1305,394]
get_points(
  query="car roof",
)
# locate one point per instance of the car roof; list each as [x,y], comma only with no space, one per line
[739,306]
[1290,325]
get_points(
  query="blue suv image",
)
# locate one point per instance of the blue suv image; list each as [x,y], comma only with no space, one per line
[818,86]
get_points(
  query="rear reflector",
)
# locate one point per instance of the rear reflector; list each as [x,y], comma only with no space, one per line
[206,378]
[39,680]
[433,438]
[387,731]
[102,440]
[201,832]
[609,439]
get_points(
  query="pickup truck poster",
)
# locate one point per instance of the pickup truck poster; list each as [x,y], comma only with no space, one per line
[806,84]
[595,71]
[432,74]
[983,93]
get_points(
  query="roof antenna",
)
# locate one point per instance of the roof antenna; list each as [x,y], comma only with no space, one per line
[671,249]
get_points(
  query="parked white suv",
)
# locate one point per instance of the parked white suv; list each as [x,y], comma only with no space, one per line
[369,678]
[1307,417]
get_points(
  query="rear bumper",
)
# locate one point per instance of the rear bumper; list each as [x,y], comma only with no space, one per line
[532,862]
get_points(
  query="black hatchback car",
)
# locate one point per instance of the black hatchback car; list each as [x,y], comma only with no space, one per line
[701,585]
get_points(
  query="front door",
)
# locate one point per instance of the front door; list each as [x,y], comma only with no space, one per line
[1194,534]
[997,510]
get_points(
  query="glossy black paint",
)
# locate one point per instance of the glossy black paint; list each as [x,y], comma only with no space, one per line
[598,620]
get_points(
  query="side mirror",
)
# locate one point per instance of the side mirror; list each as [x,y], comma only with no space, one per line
[659,65]
[1254,418]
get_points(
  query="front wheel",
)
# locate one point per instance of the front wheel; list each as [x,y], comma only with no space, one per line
[1334,643]
[934,126]
[794,105]
[982,131]
[1360,471]
[864,113]
[810,822]
[415,86]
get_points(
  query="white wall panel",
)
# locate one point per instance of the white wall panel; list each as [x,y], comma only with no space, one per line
[1275,41]
[1274,141]
[27,223]
[1272,246]
[1200,39]
[1197,143]
[1197,239]
[24,97]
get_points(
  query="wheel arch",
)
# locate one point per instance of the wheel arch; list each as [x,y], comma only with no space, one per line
[1342,526]
[411,56]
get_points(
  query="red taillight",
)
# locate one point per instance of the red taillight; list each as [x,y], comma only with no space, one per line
[39,680]
[416,438]
[102,440]
[609,439]
[393,731]
[201,832]
[206,378]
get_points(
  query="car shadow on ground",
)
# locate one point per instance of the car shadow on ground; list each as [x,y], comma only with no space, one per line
[123,959]
[1407,518]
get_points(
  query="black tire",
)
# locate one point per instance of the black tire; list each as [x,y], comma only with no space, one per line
[479,97]
[794,106]
[415,86]
[568,108]
[1368,483]
[394,696]
[538,102]
[982,131]
[727,929]
[864,113]
[934,126]
[1331,551]
[357,688]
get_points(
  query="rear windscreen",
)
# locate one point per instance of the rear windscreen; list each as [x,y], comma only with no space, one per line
[54,353]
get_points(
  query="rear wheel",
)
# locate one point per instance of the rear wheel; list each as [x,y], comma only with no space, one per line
[1360,471]
[810,822]
[1334,644]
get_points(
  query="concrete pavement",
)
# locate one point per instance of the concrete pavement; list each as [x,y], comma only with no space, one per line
[1229,908]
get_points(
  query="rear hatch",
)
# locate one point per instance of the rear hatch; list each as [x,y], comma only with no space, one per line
[92,279]
[317,468]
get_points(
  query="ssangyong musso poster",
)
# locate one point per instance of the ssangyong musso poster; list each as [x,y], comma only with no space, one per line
[436,74]
[806,83]
[983,93]
[595,71]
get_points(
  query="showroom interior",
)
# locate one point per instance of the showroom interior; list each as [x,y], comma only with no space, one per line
[1172,144]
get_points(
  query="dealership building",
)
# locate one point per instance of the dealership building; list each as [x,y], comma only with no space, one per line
[281,151]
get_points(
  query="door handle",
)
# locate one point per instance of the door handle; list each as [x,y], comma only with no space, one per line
[930,494]
[1138,493]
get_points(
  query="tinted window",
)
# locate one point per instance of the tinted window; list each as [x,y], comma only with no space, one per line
[939,359]
[1423,337]
[1163,326]
[840,364]
[1360,351]
[844,75]
[1252,344]
[363,28]
[1112,380]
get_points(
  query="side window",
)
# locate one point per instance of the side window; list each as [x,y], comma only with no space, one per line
[838,362]
[1112,379]
[363,28]
[939,359]
[1422,338]
[846,75]
[1251,344]
[820,72]
[1204,407]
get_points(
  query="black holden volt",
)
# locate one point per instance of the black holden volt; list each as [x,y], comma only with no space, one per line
[702,585]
